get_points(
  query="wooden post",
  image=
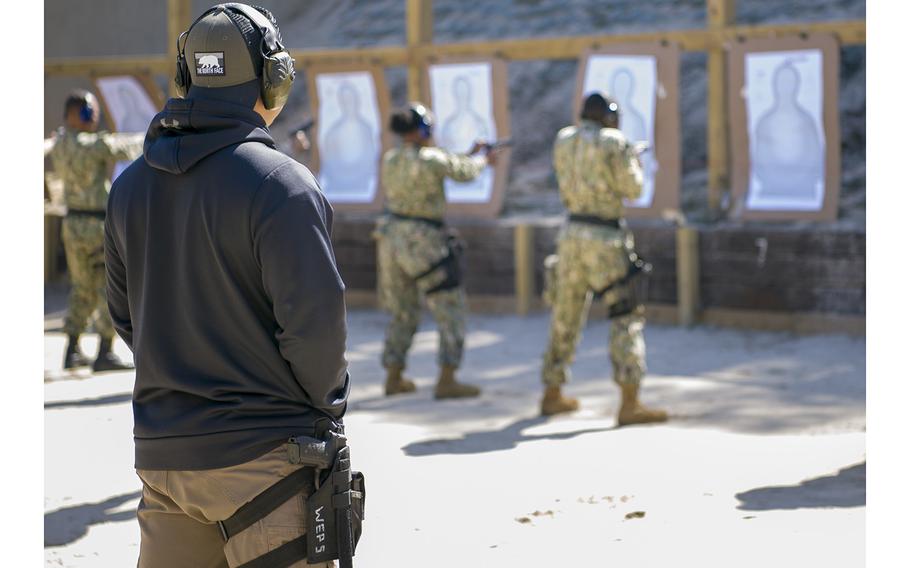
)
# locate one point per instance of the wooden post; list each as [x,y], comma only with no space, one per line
[687,290]
[524,268]
[179,18]
[721,13]
[420,33]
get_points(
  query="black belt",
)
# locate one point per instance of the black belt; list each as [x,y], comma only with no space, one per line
[96,213]
[438,223]
[594,220]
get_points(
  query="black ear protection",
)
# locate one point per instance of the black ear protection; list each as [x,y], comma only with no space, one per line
[423,117]
[277,64]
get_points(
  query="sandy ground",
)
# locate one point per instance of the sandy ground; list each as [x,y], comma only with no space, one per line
[764,463]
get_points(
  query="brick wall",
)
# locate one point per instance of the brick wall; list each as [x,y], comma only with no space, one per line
[753,267]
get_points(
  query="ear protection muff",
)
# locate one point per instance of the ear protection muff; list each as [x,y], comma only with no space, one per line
[182,78]
[277,64]
[424,119]
[611,116]
[86,112]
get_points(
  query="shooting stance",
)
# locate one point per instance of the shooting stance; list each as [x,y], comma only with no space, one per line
[84,159]
[222,279]
[596,169]
[418,255]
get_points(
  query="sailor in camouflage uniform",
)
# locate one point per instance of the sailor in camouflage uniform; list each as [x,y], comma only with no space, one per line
[418,256]
[84,158]
[596,169]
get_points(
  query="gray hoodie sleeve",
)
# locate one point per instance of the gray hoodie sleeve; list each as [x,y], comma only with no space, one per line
[117,301]
[291,225]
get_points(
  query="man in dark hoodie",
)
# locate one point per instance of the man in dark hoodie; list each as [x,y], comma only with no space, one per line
[222,279]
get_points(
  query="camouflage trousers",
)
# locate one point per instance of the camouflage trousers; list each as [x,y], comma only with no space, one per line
[407,249]
[83,241]
[586,265]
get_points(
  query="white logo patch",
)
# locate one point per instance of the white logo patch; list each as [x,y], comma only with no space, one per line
[209,63]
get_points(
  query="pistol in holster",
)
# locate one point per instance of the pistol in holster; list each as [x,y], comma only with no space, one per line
[623,293]
[450,265]
[334,508]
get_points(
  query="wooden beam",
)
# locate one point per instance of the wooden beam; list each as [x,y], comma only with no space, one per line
[179,18]
[721,14]
[848,32]
[420,34]
[391,56]
[90,66]
[524,268]
[687,275]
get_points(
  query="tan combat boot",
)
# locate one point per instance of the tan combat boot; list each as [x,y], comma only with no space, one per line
[448,387]
[396,384]
[633,412]
[555,403]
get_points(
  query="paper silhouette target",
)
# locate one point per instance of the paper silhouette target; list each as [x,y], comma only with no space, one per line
[469,100]
[782,112]
[784,105]
[130,103]
[463,102]
[631,80]
[643,79]
[349,138]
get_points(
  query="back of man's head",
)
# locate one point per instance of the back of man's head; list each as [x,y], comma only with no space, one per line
[223,50]
[600,108]
[80,110]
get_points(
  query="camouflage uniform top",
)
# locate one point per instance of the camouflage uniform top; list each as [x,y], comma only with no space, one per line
[83,161]
[596,169]
[413,178]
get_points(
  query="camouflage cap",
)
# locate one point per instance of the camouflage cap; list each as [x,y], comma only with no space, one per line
[223,50]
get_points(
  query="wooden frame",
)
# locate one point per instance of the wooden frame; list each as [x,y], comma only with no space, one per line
[382,101]
[739,128]
[499,83]
[147,82]
[666,149]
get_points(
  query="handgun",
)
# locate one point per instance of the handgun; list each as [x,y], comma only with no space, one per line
[306,125]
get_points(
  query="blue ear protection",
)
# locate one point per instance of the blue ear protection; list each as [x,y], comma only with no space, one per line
[424,119]
[86,112]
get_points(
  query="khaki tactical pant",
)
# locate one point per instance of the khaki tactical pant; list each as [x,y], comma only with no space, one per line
[83,241]
[408,249]
[586,265]
[179,509]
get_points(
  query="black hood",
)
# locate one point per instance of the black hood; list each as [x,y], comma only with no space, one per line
[191,129]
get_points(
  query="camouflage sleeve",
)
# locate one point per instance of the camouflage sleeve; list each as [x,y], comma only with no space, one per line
[118,147]
[625,166]
[561,160]
[460,167]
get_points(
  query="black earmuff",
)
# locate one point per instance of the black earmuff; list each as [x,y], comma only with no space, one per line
[182,77]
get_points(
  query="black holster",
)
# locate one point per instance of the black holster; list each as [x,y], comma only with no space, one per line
[450,263]
[628,301]
[335,506]
[335,510]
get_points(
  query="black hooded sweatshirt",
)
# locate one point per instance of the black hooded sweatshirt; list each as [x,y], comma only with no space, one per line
[222,280]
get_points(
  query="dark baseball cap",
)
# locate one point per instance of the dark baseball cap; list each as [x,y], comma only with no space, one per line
[223,49]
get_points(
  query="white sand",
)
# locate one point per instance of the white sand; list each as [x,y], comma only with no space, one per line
[764,464]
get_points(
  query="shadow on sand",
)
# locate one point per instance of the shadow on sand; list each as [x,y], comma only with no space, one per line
[505,438]
[100,401]
[69,524]
[846,488]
